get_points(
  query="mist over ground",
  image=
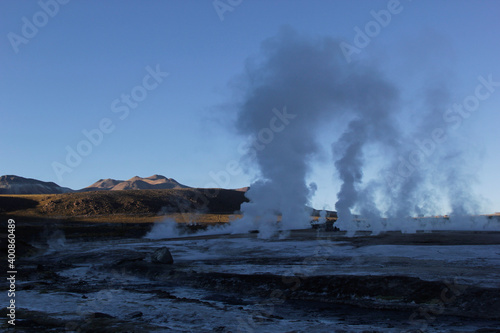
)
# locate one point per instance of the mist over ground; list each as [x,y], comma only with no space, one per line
[297,84]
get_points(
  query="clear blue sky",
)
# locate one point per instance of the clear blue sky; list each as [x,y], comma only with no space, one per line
[64,78]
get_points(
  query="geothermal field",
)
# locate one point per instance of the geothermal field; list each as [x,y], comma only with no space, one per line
[215,280]
[337,163]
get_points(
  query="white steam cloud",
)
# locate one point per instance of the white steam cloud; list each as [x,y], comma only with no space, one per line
[167,228]
[299,83]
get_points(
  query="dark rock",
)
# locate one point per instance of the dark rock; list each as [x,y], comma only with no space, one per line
[100,315]
[135,314]
[329,226]
[132,258]
[162,256]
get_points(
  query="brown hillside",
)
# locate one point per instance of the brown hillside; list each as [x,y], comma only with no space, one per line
[130,202]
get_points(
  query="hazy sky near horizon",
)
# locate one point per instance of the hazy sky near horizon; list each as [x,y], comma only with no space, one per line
[71,70]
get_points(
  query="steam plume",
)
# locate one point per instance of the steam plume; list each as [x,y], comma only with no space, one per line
[311,78]
[298,83]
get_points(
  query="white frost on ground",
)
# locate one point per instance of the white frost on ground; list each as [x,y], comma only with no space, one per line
[468,263]
[172,315]
[247,254]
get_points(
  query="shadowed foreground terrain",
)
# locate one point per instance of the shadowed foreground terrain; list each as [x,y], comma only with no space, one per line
[82,280]
[84,266]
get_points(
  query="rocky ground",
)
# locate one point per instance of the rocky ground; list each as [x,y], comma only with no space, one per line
[84,206]
[310,280]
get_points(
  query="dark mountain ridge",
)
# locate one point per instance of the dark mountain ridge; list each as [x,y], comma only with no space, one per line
[11,184]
